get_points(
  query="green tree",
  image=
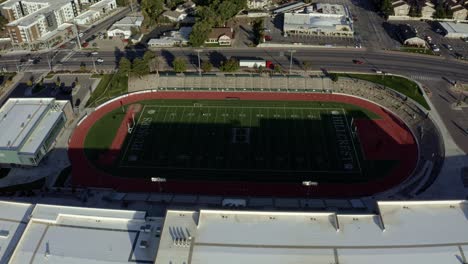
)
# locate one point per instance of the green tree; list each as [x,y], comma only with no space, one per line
[333,77]
[306,65]
[227,9]
[414,11]
[151,9]
[148,56]
[180,65]
[58,81]
[125,65]
[257,29]
[230,65]
[140,67]
[440,11]
[134,31]
[200,33]
[206,66]
[386,8]
[277,69]
[29,83]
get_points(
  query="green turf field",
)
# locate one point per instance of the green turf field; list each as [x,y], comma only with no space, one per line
[237,140]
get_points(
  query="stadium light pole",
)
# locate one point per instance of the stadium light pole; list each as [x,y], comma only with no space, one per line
[158,180]
[199,66]
[291,52]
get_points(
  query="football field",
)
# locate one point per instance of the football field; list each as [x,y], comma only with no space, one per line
[243,140]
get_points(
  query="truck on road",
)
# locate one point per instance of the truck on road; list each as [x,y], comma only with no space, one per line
[255,63]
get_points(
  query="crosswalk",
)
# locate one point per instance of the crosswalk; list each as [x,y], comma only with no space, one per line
[424,78]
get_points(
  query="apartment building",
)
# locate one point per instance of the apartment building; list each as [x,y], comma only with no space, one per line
[36,20]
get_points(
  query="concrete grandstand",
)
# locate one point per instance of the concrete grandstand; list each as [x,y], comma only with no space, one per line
[397,232]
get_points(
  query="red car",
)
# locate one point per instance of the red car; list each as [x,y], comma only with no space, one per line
[268,38]
[85,44]
[358,62]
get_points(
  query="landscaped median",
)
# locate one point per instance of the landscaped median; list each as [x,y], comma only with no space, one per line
[400,84]
[110,86]
[425,51]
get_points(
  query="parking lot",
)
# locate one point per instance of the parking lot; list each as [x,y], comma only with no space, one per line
[368,28]
[431,29]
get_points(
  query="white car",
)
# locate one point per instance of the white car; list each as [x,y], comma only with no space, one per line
[99,60]
[81,34]
[94,53]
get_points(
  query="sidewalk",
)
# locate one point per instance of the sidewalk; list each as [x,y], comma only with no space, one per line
[449,184]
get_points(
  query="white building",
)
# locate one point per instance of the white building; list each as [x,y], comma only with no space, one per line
[173,38]
[454,30]
[431,232]
[61,234]
[174,16]
[87,17]
[29,127]
[123,27]
[320,19]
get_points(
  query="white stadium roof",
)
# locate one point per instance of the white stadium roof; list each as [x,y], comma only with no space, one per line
[403,232]
[59,234]
[13,221]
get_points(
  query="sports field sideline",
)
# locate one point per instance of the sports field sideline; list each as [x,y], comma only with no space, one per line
[241,140]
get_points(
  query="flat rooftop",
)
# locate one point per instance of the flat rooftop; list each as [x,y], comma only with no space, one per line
[18,117]
[58,234]
[13,221]
[405,232]
[25,122]
[452,27]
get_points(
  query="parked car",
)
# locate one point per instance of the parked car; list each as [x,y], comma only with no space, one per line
[448,46]
[99,60]
[459,56]
[268,38]
[435,48]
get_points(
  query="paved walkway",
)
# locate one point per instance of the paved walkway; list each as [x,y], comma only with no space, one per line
[449,184]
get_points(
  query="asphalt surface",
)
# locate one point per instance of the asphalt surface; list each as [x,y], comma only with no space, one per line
[329,59]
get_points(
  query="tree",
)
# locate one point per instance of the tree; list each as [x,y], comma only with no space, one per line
[306,65]
[260,69]
[277,69]
[200,33]
[206,66]
[140,67]
[386,8]
[333,77]
[148,56]
[151,9]
[122,2]
[179,65]
[440,11]
[257,29]
[230,65]
[134,31]
[414,11]
[125,65]
[57,81]
[29,83]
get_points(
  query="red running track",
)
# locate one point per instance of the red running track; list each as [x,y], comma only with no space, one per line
[387,138]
